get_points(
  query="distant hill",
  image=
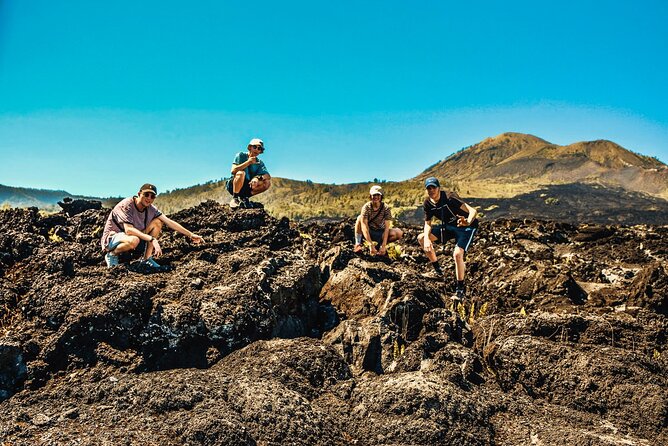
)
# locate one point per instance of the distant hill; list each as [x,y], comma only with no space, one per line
[515,163]
[25,197]
[509,175]
[45,199]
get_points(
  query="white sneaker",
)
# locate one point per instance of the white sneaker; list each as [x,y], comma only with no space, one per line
[111,259]
[235,202]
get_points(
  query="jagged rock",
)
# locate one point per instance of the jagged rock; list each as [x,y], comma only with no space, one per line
[561,340]
[76,206]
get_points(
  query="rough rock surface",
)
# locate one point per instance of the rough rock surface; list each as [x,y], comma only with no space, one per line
[275,333]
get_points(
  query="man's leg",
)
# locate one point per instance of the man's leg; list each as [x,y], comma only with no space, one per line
[431,255]
[126,243]
[119,243]
[260,185]
[460,265]
[238,182]
[395,234]
[359,235]
[153,229]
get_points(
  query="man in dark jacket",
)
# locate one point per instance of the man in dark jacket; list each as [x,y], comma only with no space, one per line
[457,221]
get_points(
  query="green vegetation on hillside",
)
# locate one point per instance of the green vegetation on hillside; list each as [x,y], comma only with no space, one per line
[300,200]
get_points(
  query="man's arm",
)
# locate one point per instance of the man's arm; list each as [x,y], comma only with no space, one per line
[238,167]
[469,219]
[367,234]
[428,245]
[131,230]
[180,229]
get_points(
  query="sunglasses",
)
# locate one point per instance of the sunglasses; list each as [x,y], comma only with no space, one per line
[376,195]
[260,148]
[148,194]
[431,187]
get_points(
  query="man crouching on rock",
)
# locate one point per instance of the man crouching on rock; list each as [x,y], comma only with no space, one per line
[250,176]
[136,223]
[373,224]
[458,222]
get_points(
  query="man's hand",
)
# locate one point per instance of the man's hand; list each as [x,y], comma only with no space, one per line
[196,239]
[253,160]
[462,221]
[428,245]
[157,250]
[383,250]
[373,249]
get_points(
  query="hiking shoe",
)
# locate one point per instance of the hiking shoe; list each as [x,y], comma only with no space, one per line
[235,202]
[357,248]
[245,203]
[150,262]
[111,259]
[459,295]
[433,275]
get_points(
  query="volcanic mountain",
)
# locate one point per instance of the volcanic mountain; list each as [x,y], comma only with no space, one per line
[509,175]
[514,163]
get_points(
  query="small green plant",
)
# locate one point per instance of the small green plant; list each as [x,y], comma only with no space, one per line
[55,237]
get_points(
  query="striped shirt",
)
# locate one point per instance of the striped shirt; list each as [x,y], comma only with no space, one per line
[376,217]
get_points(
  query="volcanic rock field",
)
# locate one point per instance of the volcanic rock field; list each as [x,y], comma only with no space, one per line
[276,333]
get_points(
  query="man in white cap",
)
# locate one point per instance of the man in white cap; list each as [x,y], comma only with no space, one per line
[457,221]
[249,176]
[373,224]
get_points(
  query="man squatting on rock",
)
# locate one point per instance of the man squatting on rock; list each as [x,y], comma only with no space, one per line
[458,221]
[250,176]
[374,224]
[136,223]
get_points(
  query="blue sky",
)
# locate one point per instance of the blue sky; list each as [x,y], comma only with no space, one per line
[98,97]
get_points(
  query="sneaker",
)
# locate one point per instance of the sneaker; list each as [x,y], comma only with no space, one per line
[459,295]
[150,262]
[245,203]
[357,248]
[235,202]
[433,275]
[111,259]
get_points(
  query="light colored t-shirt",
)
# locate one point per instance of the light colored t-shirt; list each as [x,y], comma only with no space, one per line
[126,212]
[376,217]
[254,169]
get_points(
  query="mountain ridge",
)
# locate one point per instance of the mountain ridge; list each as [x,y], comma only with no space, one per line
[501,168]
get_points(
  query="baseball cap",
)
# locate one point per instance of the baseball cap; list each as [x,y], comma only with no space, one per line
[256,142]
[148,186]
[376,190]
[431,181]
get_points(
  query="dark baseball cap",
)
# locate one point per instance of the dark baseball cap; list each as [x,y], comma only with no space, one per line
[431,181]
[150,187]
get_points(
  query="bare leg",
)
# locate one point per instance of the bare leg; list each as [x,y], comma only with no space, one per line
[431,255]
[128,243]
[258,186]
[153,229]
[395,234]
[238,181]
[460,265]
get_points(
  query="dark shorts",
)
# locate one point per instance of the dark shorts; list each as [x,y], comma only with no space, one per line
[377,236]
[463,236]
[245,189]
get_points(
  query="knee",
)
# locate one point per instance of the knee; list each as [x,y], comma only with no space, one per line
[421,239]
[240,175]
[133,241]
[267,183]
[398,233]
[458,254]
[155,227]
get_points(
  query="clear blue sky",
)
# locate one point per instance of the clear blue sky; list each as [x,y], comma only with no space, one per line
[99,97]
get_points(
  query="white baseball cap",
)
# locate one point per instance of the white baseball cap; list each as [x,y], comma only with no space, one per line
[256,142]
[376,190]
